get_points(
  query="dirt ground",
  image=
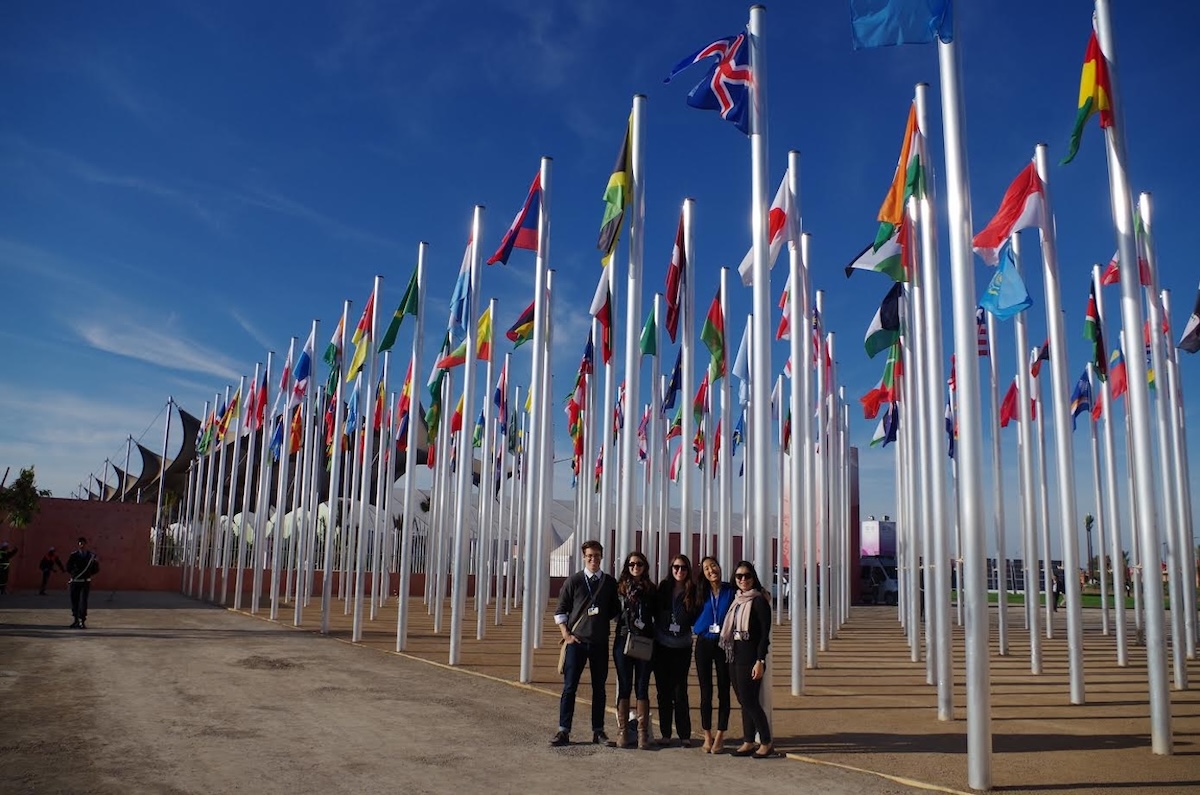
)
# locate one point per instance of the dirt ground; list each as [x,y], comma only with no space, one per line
[164,694]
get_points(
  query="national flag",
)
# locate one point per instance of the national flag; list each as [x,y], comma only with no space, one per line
[477,434]
[362,338]
[1006,295]
[675,427]
[1112,273]
[483,344]
[229,415]
[616,196]
[739,433]
[741,366]
[888,427]
[885,326]
[500,400]
[1009,405]
[674,473]
[673,384]
[951,428]
[304,366]
[618,422]
[786,442]
[333,351]
[285,381]
[249,406]
[648,344]
[700,401]
[601,309]
[784,331]
[641,433]
[1081,397]
[783,226]
[460,298]
[908,182]
[352,407]
[1095,94]
[456,419]
[404,408]
[1117,380]
[1094,331]
[407,306]
[1022,207]
[260,405]
[1039,355]
[885,390]
[1190,341]
[713,337]
[523,231]
[297,432]
[885,23]
[522,331]
[726,84]
[586,365]
[981,332]
[676,279]
[892,256]
[380,403]
[276,444]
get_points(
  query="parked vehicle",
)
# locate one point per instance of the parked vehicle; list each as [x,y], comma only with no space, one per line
[878,577]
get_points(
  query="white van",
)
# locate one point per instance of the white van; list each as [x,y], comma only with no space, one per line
[877,575]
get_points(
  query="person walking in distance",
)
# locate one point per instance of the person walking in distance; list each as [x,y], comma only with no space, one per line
[716,599]
[7,553]
[745,636]
[82,565]
[47,564]
[587,604]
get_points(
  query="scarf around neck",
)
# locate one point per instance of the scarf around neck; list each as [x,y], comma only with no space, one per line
[738,618]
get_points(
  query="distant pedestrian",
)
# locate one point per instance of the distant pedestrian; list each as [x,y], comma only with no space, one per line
[47,564]
[7,553]
[1056,586]
[82,565]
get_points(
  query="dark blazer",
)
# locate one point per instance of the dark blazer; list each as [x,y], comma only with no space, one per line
[573,602]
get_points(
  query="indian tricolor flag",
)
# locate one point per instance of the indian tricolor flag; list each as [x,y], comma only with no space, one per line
[1095,95]
[1023,206]
[908,181]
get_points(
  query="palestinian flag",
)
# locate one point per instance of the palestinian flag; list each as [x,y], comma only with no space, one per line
[885,326]
[891,256]
[1095,95]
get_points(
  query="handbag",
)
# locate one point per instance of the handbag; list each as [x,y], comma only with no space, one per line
[639,647]
[562,643]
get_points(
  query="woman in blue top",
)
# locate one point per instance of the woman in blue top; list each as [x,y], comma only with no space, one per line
[676,605]
[716,597]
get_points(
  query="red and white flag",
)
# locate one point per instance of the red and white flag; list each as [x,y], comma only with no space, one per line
[1023,207]
[783,224]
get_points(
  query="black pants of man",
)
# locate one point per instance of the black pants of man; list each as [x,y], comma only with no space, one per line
[754,717]
[709,657]
[671,680]
[79,600]
[595,655]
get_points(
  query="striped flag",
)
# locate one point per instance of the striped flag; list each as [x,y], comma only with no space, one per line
[981,333]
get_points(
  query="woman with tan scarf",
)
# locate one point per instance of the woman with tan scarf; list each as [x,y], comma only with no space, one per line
[745,636]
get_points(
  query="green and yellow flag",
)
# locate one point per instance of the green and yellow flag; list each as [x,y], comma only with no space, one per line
[1095,94]
[616,197]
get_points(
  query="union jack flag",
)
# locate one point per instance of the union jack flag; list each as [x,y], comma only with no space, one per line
[726,86]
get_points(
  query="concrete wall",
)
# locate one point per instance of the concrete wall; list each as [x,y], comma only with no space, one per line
[119,533]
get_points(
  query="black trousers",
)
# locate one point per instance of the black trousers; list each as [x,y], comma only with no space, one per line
[754,717]
[670,680]
[710,657]
[79,599]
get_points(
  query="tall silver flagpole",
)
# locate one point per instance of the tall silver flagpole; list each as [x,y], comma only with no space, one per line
[368,424]
[239,576]
[410,456]
[655,451]
[801,425]
[970,439]
[725,453]
[998,489]
[227,552]
[934,378]
[1101,520]
[687,340]
[262,505]
[162,472]
[1060,394]
[1179,465]
[760,370]
[460,552]
[633,356]
[1110,490]
[282,488]
[336,513]
[1043,484]
[1183,635]
[804,424]
[545,475]
[217,545]
[487,477]
[1142,464]
[532,453]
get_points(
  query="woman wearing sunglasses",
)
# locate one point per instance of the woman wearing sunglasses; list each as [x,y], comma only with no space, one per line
[716,598]
[677,604]
[745,636]
[636,591]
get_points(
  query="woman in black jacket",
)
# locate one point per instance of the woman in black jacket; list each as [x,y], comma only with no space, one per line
[746,635]
[677,604]
[636,591]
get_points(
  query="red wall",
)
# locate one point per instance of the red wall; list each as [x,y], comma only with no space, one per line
[119,533]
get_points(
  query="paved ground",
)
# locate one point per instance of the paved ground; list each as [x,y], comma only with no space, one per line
[166,695]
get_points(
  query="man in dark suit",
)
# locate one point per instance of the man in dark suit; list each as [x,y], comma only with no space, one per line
[587,604]
[82,565]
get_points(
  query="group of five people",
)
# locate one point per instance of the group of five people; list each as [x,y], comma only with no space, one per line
[725,624]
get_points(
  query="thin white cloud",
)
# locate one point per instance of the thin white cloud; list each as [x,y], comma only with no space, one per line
[269,200]
[257,335]
[155,345]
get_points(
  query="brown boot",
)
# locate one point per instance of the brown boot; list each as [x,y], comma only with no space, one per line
[622,740]
[643,713]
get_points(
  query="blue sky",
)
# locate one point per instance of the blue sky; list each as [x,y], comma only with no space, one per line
[187,184]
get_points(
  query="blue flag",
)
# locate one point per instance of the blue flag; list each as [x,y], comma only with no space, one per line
[1081,398]
[726,84]
[673,384]
[1006,295]
[884,23]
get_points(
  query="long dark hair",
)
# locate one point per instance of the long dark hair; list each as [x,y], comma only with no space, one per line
[700,572]
[627,579]
[745,564]
[667,584]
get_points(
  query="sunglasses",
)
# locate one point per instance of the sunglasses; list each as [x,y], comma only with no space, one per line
[637,564]
[744,575]
[678,567]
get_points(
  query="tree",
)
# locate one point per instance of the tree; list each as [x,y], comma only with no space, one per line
[19,502]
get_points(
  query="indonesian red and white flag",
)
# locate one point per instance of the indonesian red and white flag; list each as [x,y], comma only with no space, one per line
[1023,207]
[783,225]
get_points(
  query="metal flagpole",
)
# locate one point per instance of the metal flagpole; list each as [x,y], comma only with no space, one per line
[382,488]
[336,513]
[227,551]
[545,483]
[367,396]
[1141,465]
[250,415]
[1060,393]
[799,402]
[281,486]
[162,473]
[216,545]
[410,457]
[1183,634]
[487,476]
[998,489]
[970,441]
[1110,491]
[541,306]
[633,312]
[655,451]
[687,340]
[803,421]
[262,505]
[1101,519]
[1043,493]
[724,544]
